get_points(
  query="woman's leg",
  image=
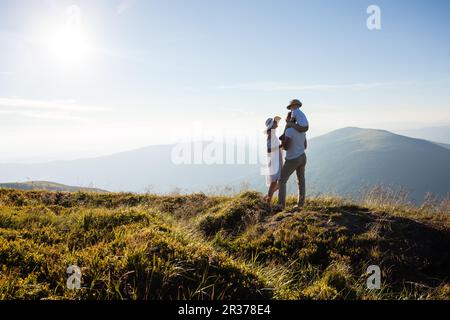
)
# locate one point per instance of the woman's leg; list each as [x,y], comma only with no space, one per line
[277,187]
[272,188]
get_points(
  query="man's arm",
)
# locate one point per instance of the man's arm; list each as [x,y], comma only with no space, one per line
[286,143]
[297,127]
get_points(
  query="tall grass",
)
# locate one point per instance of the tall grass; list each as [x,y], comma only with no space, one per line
[195,246]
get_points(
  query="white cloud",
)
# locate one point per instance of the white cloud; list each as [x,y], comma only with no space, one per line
[61,105]
[5,73]
[280,86]
[40,115]
[46,109]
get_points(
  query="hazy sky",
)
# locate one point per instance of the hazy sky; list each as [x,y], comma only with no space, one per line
[86,78]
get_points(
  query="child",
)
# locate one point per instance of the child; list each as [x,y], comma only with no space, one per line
[275,156]
[298,117]
[289,119]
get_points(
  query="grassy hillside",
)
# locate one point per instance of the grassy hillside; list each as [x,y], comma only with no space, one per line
[46,185]
[197,247]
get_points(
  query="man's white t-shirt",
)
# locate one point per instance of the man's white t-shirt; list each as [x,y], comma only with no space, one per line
[300,117]
[297,145]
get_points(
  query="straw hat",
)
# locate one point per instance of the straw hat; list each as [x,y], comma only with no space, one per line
[293,103]
[270,121]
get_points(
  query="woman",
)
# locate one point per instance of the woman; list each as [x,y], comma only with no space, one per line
[275,157]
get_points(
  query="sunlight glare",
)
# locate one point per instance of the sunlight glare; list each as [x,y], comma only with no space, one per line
[68,44]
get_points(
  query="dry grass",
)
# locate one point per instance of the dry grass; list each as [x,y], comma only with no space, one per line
[220,247]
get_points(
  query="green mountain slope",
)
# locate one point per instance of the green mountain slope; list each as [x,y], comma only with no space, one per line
[197,247]
[348,160]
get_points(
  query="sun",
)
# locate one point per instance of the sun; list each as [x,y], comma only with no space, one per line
[67,40]
[68,46]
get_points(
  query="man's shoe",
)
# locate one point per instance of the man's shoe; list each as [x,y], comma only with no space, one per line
[297,208]
[277,208]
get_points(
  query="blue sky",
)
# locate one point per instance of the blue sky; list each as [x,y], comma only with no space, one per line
[150,70]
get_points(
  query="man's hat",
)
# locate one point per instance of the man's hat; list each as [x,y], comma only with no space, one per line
[294,102]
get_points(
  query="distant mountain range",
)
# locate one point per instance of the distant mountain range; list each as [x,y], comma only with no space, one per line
[146,169]
[348,160]
[46,185]
[439,134]
[342,162]
[445,145]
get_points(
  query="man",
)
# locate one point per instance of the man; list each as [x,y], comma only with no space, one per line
[294,143]
[300,122]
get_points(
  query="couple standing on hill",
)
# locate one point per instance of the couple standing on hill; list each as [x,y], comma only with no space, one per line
[293,141]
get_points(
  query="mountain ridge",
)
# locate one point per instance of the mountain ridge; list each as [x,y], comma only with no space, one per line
[440,134]
[343,162]
[369,157]
[48,186]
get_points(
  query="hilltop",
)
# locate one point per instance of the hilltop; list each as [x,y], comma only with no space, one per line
[132,246]
[46,185]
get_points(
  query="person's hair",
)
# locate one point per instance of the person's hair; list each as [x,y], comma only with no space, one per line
[289,115]
[268,130]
